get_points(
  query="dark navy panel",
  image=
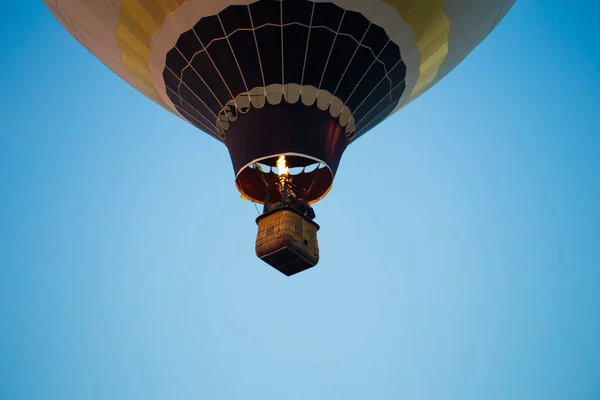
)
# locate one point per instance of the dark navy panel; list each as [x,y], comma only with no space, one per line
[319,45]
[371,121]
[265,12]
[373,100]
[235,17]
[390,56]
[209,28]
[225,63]
[297,11]
[366,126]
[341,53]
[175,62]
[269,46]
[193,81]
[244,47]
[294,40]
[205,68]
[358,68]
[363,89]
[397,74]
[327,14]
[172,81]
[268,131]
[188,45]
[375,39]
[319,41]
[355,25]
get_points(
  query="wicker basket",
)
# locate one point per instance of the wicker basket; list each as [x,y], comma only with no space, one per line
[287,241]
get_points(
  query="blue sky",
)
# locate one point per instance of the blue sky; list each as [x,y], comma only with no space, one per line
[460,251]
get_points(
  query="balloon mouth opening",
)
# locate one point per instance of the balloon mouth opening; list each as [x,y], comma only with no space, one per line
[260,179]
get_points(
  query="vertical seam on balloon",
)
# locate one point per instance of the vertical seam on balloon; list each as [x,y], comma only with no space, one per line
[234,56]
[262,74]
[378,83]
[376,56]
[350,62]
[189,64]
[378,115]
[194,93]
[312,13]
[215,66]
[181,100]
[365,73]
[383,98]
[181,109]
[181,82]
[330,51]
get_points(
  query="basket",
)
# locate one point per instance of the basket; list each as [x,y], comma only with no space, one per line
[287,241]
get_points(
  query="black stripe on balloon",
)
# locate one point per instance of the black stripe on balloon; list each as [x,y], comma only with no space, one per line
[324,46]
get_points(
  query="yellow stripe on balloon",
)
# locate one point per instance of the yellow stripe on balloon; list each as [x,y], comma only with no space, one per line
[139,21]
[431,26]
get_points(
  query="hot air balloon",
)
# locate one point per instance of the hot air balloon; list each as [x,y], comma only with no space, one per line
[292,82]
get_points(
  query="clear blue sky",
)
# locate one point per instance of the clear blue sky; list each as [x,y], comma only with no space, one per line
[467,265]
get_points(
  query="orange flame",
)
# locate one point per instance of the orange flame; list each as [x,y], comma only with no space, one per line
[282,166]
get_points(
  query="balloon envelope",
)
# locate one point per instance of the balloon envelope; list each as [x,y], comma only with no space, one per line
[296,77]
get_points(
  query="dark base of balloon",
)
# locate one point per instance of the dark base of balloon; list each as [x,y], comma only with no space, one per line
[306,135]
[287,241]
